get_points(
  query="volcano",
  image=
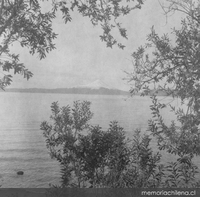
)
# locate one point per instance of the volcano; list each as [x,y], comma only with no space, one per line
[96,85]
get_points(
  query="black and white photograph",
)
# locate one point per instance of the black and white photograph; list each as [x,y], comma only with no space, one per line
[100,94]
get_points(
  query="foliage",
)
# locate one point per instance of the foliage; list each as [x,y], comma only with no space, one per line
[85,152]
[172,66]
[181,173]
[143,169]
[25,22]
[94,159]
[61,136]
[103,12]
[174,63]
[181,138]
[91,157]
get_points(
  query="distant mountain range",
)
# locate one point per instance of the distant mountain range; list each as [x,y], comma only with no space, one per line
[100,91]
[96,87]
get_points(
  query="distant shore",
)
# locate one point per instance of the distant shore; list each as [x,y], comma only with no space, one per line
[89,91]
[99,91]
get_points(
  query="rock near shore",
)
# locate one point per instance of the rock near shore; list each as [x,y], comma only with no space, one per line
[20,173]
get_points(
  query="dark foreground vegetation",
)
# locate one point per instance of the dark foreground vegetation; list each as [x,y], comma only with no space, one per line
[92,158]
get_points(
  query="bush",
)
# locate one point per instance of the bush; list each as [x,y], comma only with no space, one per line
[91,157]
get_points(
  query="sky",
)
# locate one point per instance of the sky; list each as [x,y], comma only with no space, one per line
[81,57]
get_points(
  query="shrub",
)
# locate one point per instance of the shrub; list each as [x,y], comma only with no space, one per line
[91,157]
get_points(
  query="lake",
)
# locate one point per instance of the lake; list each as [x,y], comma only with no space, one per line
[22,145]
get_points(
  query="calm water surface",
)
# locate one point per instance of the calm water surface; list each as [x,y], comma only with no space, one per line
[22,146]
